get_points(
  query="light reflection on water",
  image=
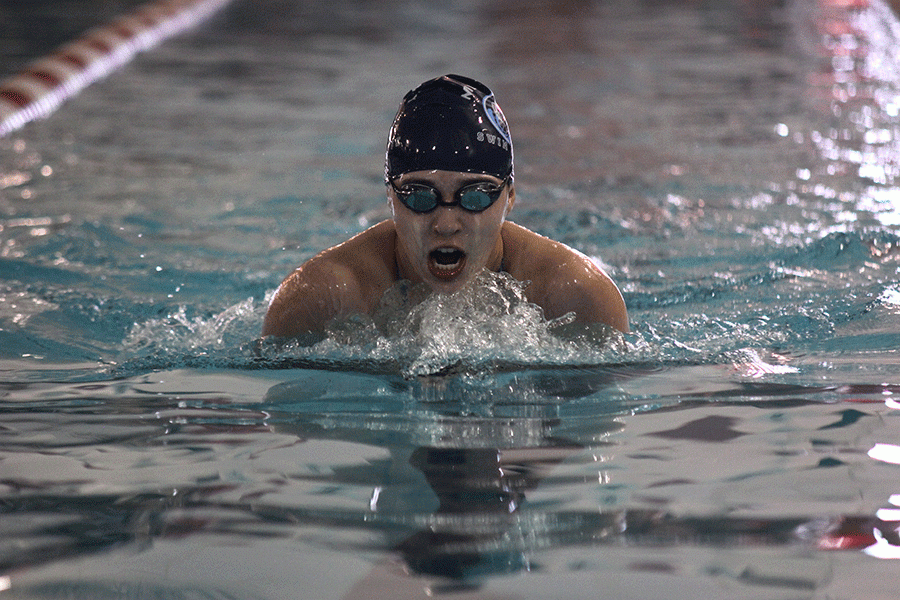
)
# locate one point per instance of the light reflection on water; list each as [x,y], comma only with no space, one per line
[556,475]
[735,167]
[861,83]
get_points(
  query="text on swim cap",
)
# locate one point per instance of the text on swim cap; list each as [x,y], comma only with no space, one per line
[491,138]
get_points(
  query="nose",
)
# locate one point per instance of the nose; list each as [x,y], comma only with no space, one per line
[446,221]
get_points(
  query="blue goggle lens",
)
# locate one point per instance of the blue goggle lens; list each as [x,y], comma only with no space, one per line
[423,198]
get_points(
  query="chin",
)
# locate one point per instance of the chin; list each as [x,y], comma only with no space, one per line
[448,286]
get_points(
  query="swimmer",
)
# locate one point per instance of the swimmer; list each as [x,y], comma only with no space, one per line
[450,184]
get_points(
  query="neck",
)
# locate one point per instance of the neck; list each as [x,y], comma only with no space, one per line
[496,261]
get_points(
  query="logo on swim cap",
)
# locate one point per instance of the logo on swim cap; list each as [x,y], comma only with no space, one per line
[495,116]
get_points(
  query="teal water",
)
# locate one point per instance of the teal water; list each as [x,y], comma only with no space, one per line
[733,165]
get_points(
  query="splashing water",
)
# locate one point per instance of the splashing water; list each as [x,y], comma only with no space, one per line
[485,326]
[185,339]
[189,333]
[488,323]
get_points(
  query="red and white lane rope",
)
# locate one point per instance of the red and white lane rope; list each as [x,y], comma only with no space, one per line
[48,82]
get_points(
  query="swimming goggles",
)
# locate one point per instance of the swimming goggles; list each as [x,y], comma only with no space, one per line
[423,198]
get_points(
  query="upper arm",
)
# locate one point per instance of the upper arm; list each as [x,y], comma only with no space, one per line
[309,298]
[592,295]
[564,281]
[581,287]
[343,280]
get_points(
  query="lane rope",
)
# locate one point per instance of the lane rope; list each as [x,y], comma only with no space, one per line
[49,81]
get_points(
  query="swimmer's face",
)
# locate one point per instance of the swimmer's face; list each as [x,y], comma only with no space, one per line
[447,247]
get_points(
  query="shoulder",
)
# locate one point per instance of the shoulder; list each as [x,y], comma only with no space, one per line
[525,248]
[346,279]
[562,279]
[373,249]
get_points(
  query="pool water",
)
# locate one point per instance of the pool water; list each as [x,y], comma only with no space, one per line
[734,165]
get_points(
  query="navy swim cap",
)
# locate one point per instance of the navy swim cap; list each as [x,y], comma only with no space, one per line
[451,123]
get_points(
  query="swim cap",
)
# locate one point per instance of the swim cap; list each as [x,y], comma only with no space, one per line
[451,123]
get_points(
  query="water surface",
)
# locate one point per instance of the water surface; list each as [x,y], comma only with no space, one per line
[733,165]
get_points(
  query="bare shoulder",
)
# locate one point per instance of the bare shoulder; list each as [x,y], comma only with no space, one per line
[562,279]
[345,279]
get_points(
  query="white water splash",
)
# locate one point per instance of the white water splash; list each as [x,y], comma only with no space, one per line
[178,333]
[486,323]
[486,326]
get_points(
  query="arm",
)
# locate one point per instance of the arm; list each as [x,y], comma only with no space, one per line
[309,298]
[581,287]
[347,279]
[562,279]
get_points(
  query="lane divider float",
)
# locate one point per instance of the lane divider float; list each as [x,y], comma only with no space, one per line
[48,82]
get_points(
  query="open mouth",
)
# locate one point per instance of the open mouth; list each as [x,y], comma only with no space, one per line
[446,263]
